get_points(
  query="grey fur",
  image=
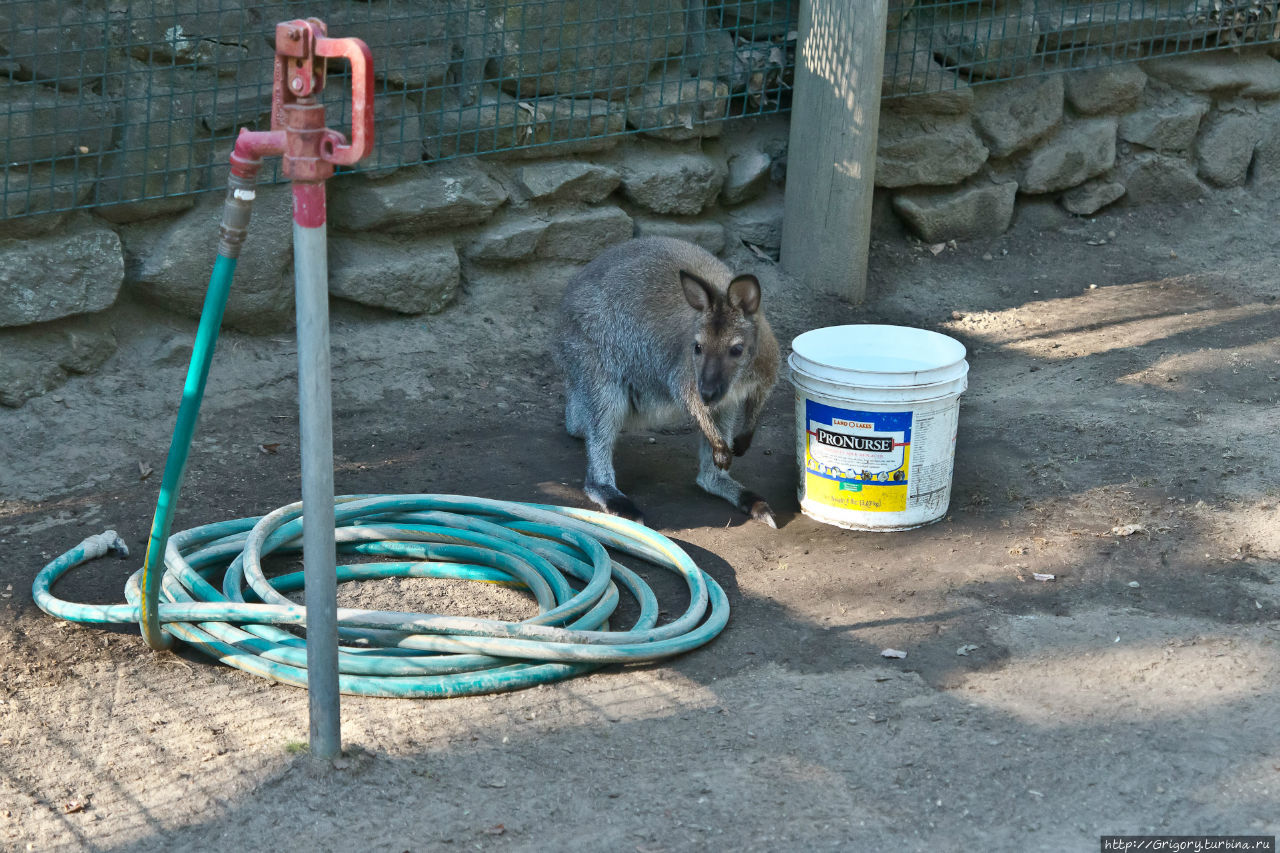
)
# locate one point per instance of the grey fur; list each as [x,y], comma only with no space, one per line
[625,343]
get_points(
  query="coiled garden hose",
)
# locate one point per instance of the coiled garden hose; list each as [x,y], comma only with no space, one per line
[541,548]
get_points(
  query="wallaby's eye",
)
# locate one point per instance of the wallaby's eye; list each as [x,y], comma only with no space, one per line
[736,350]
[697,348]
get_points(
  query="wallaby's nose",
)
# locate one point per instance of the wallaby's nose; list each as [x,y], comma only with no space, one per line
[712,394]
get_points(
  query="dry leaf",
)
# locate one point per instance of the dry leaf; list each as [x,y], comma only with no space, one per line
[759,253]
[893,653]
[966,648]
[73,806]
[144,470]
[937,248]
[1127,529]
[269,448]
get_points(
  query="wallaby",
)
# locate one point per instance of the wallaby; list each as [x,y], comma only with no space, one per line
[655,330]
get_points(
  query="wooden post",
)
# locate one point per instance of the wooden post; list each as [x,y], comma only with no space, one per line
[835,114]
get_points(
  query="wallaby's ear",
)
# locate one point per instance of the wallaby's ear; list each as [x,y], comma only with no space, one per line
[698,292]
[744,293]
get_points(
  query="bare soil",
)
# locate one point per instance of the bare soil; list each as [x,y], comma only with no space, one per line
[1125,371]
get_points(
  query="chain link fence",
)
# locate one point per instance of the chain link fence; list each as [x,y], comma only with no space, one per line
[107,102]
[937,45]
[104,103]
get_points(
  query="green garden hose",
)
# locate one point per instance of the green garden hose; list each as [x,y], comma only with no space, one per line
[544,549]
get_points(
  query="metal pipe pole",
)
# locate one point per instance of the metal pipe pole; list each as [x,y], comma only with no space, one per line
[315,416]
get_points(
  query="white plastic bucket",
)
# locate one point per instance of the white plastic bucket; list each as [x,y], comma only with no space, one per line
[876,415]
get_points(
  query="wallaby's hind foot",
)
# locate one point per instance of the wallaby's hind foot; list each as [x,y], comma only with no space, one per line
[614,502]
[756,507]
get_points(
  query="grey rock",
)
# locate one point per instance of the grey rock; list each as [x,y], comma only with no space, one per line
[492,121]
[576,124]
[913,83]
[25,192]
[915,151]
[556,180]
[443,195]
[716,57]
[1110,90]
[143,179]
[1250,73]
[1091,196]
[748,175]
[39,123]
[761,19]
[1266,156]
[37,359]
[169,263]
[581,234]
[78,271]
[240,103]
[673,106]
[39,39]
[584,47]
[411,49]
[1166,119]
[666,181]
[1226,144]
[982,43]
[398,138]
[411,276]
[758,222]
[1080,151]
[1151,178]
[507,238]
[1011,115]
[552,127]
[898,11]
[192,33]
[1071,29]
[707,234]
[978,209]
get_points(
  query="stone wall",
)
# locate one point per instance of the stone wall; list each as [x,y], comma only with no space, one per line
[953,163]
[956,162]
[120,95]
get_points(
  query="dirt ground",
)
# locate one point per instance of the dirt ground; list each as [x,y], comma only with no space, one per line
[1137,692]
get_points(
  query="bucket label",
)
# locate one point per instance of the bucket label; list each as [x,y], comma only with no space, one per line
[857,460]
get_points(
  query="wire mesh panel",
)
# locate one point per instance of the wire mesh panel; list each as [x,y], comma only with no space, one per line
[937,45]
[104,103]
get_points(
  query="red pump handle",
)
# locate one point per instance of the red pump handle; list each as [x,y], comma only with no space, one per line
[334,148]
[301,48]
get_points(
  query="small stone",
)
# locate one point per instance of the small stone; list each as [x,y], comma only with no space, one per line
[1080,151]
[976,209]
[666,181]
[747,176]
[567,181]
[986,256]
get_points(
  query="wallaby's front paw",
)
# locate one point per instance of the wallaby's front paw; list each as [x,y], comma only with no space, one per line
[722,455]
[741,443]
[756,507]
